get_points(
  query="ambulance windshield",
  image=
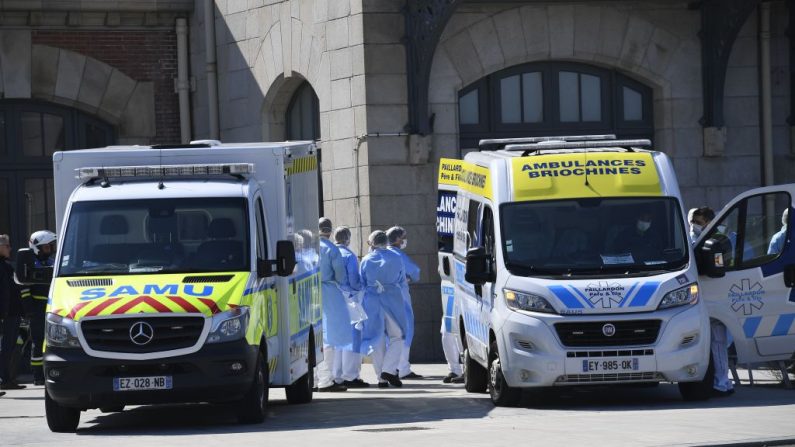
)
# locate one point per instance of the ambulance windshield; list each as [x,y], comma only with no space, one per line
[156,236]
[594,236]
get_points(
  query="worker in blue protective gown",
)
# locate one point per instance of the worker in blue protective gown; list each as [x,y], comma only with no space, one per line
[385,328]
[398,240]
[348,364]
[336,319]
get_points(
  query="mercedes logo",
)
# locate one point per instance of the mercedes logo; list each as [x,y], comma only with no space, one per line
[609,330]
[141,333]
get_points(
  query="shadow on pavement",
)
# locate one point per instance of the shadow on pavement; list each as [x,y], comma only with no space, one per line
[370,407]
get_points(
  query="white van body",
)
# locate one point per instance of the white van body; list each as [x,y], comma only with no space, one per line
[755,298]
[603,324]
[119,264]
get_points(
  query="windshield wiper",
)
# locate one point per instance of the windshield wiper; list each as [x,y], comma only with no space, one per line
[538,270]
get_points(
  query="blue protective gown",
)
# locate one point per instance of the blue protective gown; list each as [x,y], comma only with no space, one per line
[413,275]
[777,242]
[382,272]
[351,286]
[336,319]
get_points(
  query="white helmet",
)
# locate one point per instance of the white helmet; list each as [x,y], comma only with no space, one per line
[39,238]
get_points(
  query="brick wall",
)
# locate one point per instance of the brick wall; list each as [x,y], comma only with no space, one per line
[141,55]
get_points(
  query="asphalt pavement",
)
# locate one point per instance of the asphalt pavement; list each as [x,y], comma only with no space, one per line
[427,412]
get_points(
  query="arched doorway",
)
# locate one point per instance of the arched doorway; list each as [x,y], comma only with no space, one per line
[302,120]
[30,132]
[554,98]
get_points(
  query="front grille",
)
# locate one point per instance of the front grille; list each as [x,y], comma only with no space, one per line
[627,333]
[621,353]
[168,333]
[96,282]
[615,377]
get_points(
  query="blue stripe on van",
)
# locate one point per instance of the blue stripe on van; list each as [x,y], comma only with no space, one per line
[584,298]
[569,300]
[751,325]
[629,294]
[783,324]
[644,294]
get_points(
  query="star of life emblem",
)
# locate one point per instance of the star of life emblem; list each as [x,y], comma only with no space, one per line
[604,294]
[746,296]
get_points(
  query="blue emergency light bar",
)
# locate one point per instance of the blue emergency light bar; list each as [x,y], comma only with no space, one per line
[165,171]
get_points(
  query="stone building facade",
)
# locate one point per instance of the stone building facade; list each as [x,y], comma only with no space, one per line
[391,86]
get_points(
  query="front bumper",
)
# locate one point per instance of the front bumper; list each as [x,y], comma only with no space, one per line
[75,379]
[532,354]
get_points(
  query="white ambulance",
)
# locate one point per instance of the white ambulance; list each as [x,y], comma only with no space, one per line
[183,274]
[572,266]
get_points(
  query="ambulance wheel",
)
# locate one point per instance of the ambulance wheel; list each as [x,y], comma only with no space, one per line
[475,376]
[253,408]
[701,390]
[502,395]
[60,419]
[300,392]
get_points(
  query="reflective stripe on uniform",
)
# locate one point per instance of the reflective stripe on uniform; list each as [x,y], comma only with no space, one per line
[39,297]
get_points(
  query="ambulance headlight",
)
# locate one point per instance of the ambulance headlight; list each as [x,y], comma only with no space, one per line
[527,301]
[61,332]
[229,326]
[680,297]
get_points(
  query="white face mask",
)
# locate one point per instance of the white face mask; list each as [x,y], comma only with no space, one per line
[643,225]
[722,229]
[696,229]
[404,244]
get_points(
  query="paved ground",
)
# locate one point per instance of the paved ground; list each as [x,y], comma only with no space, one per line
[427,412]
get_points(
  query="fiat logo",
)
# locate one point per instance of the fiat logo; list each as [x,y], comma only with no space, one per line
[609,330]
[141,333]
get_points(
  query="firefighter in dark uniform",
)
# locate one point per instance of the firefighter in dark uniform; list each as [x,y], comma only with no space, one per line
[34,300]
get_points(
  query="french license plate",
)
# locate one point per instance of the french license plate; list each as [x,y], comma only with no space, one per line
[142,383]
[610,365]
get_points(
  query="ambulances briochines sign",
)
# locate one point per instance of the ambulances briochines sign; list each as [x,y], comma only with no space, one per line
[466,176]
[579,175]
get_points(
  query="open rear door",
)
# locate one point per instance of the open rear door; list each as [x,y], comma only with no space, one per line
[755,298]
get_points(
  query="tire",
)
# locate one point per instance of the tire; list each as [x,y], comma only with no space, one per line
[475,376]
[701,390]
[501,394]
[60,419]
[253,408]
[300,392]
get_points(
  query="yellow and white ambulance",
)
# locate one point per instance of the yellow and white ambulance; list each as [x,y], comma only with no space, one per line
[572,265]
[183,274]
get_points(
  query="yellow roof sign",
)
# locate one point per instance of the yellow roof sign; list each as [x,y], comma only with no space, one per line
[465,175]
[566,176]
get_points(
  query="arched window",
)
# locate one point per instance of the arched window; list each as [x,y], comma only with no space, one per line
[30,132]
[551,98]
[303,115]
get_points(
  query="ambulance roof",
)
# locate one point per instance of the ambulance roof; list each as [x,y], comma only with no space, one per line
[173,189]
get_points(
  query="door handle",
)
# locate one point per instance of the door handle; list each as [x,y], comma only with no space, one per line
[446,266]
[789,275]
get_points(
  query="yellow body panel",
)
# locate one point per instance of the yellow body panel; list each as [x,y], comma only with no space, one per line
[467,176]
[582,175]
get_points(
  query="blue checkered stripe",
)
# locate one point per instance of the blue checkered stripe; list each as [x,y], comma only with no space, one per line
[769,326]
[476,328]
[638,295]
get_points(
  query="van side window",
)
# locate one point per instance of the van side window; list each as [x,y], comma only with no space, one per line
[262,235]
[756,229]
[474,224]
[487,228]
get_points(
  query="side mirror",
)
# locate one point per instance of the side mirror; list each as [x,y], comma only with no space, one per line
[27,272]
[713,256]
[477,267]
[285,258]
